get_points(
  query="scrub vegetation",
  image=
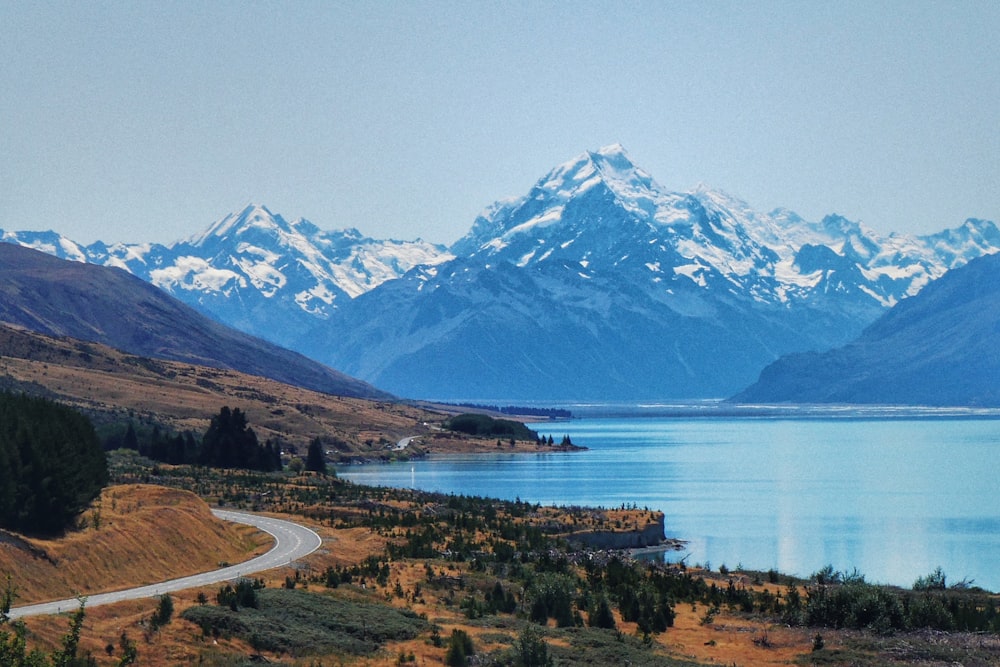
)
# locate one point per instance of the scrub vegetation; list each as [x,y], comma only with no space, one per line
[412,577]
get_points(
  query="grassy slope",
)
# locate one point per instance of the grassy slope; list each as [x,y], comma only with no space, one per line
[143,535]
[112,385]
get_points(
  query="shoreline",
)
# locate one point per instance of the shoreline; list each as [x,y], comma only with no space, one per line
[668,544]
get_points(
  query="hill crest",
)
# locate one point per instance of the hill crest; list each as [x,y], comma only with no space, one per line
[112,307]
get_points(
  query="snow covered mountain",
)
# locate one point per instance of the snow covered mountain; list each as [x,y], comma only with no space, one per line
[597,284]
[601,284]
[254,270]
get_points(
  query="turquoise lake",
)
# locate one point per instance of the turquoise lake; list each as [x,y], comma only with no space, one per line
[894,497]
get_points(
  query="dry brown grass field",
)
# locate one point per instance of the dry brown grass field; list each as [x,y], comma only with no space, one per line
[145,533]
[111,385]
[132,535]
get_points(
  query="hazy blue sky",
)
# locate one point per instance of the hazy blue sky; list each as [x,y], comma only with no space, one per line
[134,121]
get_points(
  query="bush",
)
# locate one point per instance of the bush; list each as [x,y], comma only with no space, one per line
[459,649]
[305,623]
[164,611]
[531,650]
[935,581]
[857,606]
[486,426]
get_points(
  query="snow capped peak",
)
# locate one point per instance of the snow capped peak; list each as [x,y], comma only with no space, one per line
[607,173]
[252,215]
[601,212]
[613,151]
[610,165]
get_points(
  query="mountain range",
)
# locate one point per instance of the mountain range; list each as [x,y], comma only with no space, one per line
[254,270]
[939,348]
[598,284]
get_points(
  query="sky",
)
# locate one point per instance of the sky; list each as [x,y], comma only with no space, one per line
[147,121]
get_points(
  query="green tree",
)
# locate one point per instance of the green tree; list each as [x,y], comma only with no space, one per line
[316,458]
[460,648]
[130,655]
[531,650]
[131,441]
[601,616]
[935,581]
[229,442]
[164,611]
[51,465]
[66,656]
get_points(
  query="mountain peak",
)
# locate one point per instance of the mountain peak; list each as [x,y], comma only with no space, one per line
[609,164]
[612,154]
[251,215]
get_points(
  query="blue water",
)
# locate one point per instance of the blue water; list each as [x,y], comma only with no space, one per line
[893,497]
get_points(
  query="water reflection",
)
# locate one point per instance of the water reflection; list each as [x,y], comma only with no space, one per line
[894,498]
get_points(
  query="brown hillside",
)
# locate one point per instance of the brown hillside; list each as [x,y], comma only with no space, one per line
[132,535]
[112,307]
[111,385]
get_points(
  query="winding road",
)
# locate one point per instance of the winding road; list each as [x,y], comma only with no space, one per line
[291,542]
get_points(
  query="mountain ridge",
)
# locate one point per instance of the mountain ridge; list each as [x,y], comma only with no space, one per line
[597,271]
[252,269]
[938,348]
[111,306]
[598,283]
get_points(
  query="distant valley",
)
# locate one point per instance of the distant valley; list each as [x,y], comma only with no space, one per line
[597,284]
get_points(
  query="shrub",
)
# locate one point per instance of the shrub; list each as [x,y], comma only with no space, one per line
[459,649]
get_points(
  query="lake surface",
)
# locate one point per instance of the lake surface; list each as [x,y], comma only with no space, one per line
[893,496]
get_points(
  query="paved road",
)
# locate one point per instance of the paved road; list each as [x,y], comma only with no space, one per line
[291,542]
[404,443]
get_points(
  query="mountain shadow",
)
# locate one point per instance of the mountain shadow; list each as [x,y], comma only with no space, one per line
[938,348]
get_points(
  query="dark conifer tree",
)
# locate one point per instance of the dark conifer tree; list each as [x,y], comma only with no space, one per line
[229,442]
[131,441]
[316,458]
[51,464]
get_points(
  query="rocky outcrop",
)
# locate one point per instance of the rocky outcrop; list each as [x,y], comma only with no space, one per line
[650,535]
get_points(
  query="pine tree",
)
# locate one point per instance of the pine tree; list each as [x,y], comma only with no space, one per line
[51,464]
[229,442]
[131,440]
[316,458]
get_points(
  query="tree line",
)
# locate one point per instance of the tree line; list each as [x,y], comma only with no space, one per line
[229,442]
[51,464]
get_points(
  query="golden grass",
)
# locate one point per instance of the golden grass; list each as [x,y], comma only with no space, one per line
[134,535]
[118,386]
[129,548]
[183,396]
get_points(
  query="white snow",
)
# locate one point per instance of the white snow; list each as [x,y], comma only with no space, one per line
[194,274]
[549,217]
[693,271]
[71,250]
